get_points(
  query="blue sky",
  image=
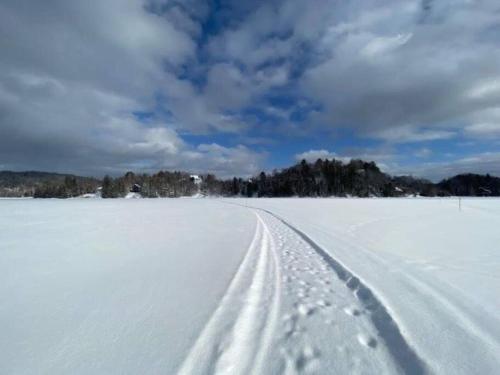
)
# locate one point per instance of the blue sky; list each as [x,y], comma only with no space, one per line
[236,87]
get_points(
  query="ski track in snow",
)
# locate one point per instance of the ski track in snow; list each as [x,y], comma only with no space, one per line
[237,335]
[293,309]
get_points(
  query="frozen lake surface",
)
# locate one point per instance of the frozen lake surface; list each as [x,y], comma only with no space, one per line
[257,286]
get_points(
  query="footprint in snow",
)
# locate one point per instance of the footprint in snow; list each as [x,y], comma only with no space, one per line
[304,360]
[352,311]
[323,303]
[305,310]
[367,341]
[291,327]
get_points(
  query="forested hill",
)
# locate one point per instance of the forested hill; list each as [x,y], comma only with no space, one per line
[25,184]
[328,178]
[471,185]
[322,178]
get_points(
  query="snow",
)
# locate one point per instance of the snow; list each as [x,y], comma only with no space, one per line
[434,268]
[89,195]
[112,286]
[133,195]
[196,179]
[197,195]
[209,286]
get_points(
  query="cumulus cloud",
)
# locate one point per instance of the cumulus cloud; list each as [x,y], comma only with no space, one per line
[74,128]
[73,75]
[385,70]
[224,161]
[406,134]
[380,155]
[313,155]
[485,124]
[399,71]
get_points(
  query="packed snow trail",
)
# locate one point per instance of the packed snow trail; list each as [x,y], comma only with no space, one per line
[292,309]
[405,250]
[236,339]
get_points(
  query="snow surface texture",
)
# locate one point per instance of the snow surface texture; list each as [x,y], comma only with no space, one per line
[112,286]
[281,286]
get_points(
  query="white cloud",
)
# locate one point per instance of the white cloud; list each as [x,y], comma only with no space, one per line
[385,66]
[74,73]
[485,89]
[384,44]
[380,155]
[313,155]
[407,133]
[227,161]
[484,129]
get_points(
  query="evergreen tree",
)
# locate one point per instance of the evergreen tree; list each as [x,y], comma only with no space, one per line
[107,187]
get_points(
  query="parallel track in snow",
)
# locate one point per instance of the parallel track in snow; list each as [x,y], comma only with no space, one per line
[237,336]
[291,308]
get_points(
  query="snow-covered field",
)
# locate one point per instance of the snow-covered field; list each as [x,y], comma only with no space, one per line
[258,286]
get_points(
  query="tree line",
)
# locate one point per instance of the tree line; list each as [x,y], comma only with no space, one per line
[322,178]
[159,185]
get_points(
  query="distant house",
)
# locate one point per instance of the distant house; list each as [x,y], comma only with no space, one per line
[196,179]
[398,192]
[484,192]
[136,188]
